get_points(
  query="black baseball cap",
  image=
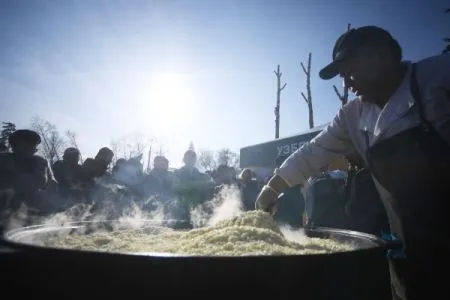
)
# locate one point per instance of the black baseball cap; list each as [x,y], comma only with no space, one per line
[28,136]
[347,44]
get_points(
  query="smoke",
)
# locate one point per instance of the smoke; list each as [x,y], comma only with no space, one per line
[108,202]
[16,219]
[136,217]
[229,200]
[225,204]
[126,213]
[294,234]
[112,202]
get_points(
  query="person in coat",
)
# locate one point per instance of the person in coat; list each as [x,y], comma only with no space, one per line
[400,125]
[249,189]
[67,171]
[24,174]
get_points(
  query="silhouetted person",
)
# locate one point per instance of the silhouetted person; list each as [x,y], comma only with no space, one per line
[119,163]
[160,179]
[189,171]
[67,171]
[97,167]
[364,205]
[23,173]
[291,205]
[192,187]
[224,175]
[249,189]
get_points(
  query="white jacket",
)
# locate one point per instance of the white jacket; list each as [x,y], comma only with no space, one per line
[346,132]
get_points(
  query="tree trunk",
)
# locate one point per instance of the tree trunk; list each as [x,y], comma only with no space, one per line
[308,98]
[277,107]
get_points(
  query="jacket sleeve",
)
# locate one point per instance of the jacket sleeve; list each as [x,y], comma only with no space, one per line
[34,179]
[433,75]
[58,172]
[42,173]
[331,144]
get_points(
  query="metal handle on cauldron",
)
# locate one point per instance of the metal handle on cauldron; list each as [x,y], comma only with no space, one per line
[394,246]
[310,227]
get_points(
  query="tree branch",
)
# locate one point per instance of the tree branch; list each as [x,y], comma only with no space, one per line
[337,92]
[304,97]
[304,69]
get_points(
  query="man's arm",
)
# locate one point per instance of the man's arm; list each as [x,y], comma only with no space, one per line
[36,177]
[41,172]
[332,143]
[433,75]
[58,173]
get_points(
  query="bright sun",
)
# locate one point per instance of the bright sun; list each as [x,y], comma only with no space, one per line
[168,99]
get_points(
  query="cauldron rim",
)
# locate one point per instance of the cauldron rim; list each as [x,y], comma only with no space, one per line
[320,232]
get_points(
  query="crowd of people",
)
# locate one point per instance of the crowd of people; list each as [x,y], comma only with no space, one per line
[112,185]
[28,180]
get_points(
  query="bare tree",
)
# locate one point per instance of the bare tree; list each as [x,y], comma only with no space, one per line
[72,142]
[277,107]
[134,146]
[137,147]
[149,160]
[161,151]
[53,144]
[156,147]
[128,147]
[124,148]
[227,157]
[8,128]
[308,98]
[206,160]
[115,149]
[344,97]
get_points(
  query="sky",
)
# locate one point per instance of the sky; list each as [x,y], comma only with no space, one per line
[181,71]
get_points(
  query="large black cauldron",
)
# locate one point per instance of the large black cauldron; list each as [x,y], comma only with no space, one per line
[361,274]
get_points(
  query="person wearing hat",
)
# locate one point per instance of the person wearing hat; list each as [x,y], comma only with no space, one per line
[24,143]
[67,171]
[96,167]
[159,180]
[248,185]
[400,125]
[23,172]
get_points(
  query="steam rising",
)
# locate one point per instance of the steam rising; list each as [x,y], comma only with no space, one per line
[128,214]
[225,205]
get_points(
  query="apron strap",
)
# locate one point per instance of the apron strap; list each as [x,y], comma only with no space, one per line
[366,140]
[415,92]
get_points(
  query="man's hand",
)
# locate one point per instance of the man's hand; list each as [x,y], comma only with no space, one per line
[266,200]
[268,196]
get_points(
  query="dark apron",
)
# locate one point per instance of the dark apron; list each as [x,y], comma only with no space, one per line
[413,166]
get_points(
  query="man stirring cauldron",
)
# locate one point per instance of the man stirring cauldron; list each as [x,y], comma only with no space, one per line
[400,125]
